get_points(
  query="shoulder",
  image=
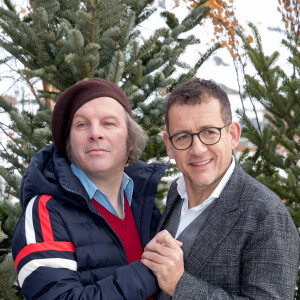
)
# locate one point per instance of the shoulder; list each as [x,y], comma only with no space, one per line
[262,206]
[262,196]
[145,177]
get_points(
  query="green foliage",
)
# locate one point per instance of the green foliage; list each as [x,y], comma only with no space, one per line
[276,160]
[9,216]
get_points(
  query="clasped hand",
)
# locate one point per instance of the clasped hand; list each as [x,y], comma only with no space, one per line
[164,256]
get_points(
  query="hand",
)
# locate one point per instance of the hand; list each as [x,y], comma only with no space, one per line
[164,257]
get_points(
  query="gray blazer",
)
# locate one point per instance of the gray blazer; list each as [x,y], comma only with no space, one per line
[248,247]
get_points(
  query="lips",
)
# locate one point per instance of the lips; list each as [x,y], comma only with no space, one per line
[201,163]
[97,150]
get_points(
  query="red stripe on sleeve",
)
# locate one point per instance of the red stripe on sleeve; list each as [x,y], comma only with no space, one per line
[37,247]
[45,219]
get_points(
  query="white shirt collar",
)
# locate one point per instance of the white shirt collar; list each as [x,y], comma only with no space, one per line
[181,188]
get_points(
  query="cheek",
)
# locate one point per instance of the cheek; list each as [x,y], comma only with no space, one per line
[179,157]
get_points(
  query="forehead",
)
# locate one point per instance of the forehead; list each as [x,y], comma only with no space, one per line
[102,106]
[204,114]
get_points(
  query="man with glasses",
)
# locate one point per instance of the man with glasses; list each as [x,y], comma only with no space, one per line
[224,235]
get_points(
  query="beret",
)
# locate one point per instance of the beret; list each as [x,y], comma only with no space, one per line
[73,98]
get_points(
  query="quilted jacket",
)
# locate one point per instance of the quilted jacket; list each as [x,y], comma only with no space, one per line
[64,249]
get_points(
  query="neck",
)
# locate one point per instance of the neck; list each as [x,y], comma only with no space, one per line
[111,187]
[197,195]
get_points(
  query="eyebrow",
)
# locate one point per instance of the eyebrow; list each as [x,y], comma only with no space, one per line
[201,128]
[85,117]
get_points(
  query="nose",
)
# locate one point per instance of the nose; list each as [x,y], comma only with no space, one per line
[96,132]
[197,147]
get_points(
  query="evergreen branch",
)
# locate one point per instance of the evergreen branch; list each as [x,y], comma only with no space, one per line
[239,86]
[117,10]
[78,41]
[7,106]
[206,55]
[146,48]
[21,125]
[104,3]
[9,5]
[4,149]
[144,12]
[32,90]
[116,68]
[171,19]
[110,19]
[7,266]
[12,180]
[109,33]
[13,212]
[93,28]
[127,27]
[263,67]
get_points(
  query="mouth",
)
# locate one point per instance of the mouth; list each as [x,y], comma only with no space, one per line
[97,150]
[203,163]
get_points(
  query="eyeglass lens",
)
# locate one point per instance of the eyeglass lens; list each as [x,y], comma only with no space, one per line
[207,136]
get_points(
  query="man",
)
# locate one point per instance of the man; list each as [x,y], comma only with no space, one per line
[238,240]
[83,227]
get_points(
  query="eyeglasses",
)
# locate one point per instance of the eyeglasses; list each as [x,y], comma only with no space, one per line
[207,136]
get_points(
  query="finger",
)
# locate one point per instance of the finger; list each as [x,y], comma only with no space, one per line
[158,248]
[179,243]
[164,252]
[167,240]
[154,256]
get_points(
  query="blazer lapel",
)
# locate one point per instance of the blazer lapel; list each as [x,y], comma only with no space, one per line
[171,200]
[225,213]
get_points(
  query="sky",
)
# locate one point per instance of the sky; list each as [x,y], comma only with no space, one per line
[265,17]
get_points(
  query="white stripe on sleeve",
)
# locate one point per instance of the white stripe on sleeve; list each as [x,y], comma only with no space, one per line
[48,262]
[29,229]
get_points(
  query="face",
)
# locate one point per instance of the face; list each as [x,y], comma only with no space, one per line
[98,138]
[202,166]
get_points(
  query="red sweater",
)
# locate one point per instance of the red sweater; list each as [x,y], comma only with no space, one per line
[125,229]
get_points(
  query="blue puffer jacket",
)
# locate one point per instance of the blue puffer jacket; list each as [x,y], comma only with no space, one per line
[64,249]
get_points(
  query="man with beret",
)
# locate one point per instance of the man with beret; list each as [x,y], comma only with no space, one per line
[85,221]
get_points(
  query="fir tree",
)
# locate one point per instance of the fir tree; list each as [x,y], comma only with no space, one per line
[276,160]
[60,42]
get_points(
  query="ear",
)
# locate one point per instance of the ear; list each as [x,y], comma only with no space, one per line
[168,144]
[235,133]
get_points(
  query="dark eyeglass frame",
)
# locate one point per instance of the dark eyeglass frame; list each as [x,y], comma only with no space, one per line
[198,134]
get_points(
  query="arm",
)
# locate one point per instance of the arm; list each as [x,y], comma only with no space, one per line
[46,263]
[269,264]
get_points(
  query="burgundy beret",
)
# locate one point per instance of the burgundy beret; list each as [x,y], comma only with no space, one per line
[73,98]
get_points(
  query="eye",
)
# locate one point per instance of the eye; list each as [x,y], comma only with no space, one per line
[109,124]
[181,137]
[210,132]
[81,124]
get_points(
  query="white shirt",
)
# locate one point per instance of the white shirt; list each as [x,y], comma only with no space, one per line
[188,215]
